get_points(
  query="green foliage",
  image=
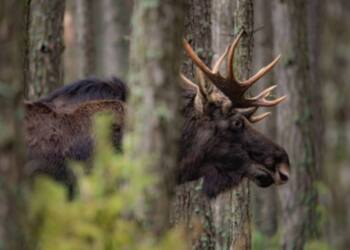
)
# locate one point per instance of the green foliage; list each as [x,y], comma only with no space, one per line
[263,242]
[317,245]
[108,212]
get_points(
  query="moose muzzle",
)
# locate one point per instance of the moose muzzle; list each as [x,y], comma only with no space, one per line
[281,175]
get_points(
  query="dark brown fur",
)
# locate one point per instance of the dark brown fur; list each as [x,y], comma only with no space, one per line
[220,146]
[58,127]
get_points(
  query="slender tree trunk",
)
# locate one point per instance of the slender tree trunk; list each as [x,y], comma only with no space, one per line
[314,22]
[335,75]
[70,57]
[230,210]
[264,200]
[115,29]
[155,97]
[45,46]
[295,121]
[84,20]
[224,223]
[224,205]
[244,19]
[13,227]
[43,69]
[191,207]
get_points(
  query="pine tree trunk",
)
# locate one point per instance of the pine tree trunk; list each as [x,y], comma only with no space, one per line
[191,207]
[230,210]
[314,22]
[155,97]
[224,205]
[296,121]
[43,69]
[70,57]
[13,230]
[114,33]
[45,46]
[334,76]
[244,19]
[264,200]
[85,37]
[222,223]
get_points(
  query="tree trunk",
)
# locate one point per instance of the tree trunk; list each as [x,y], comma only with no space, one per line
[43,69]
[155,96]
[45,46]
[85,46]
[334,76]
[231,210]
[114,29]
[224,205]
[191,207]
[13,227]
[244,19]
[70,57]
[224,223]
[295,121]
[264,200]
[314,22]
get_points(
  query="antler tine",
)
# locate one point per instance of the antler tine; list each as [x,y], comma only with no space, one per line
[231,53]
[198,103]
[269,103]
[264,93]
[261,73]
[197,60]
[188,83]
[258,118]
[201,82]
[248,112]
[218,63]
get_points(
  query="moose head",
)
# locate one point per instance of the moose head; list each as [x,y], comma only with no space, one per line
[219,142]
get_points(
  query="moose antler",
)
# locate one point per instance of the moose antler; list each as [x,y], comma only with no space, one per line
[232,88]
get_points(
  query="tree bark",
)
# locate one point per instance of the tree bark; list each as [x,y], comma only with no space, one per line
[224,205]
[223,223]
[296,121]
[13,227]
[314,24]
[70,58]
[115,28]
[155,96]
[264,200]
[191,207]
[334,76]
[45,46]
[230,210]
[244,20]
[85,32]
[43,69]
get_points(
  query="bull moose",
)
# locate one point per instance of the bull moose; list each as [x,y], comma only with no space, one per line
[218,140]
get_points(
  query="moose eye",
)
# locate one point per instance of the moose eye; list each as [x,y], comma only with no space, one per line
[238,124]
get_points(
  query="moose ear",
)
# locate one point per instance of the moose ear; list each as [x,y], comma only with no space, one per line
[36,107]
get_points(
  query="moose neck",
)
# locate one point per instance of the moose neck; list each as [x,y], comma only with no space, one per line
[192,159]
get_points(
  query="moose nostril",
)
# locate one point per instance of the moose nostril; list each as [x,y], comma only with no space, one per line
[283,173]
[284,177]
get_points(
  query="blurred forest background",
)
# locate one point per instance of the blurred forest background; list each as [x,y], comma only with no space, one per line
[45,44]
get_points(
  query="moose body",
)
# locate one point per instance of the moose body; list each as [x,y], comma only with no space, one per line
[218,140]
[59,127]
